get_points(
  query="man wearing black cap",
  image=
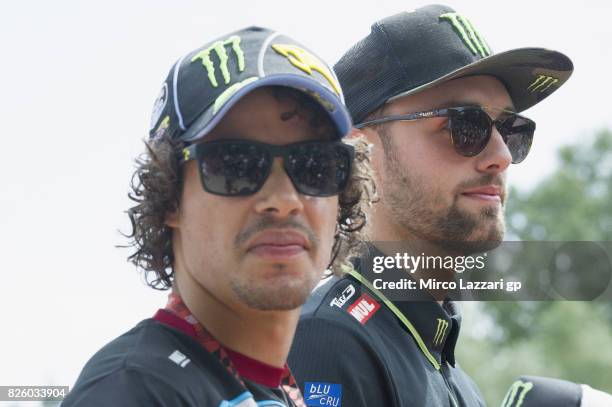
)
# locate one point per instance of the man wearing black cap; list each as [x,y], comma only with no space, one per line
[442,112]
[245,195]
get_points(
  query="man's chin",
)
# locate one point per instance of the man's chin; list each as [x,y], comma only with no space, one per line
[486,236]
[468,247]
[488,239]
[482,209]
[284,293]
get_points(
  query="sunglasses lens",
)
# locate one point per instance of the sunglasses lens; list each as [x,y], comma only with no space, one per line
[470,130]
[233,169]
[517,132]
[319,169]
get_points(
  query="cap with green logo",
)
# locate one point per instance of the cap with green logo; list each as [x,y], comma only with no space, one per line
[203,85]
[415,50]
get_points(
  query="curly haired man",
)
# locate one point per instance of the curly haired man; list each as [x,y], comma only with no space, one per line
[244,197]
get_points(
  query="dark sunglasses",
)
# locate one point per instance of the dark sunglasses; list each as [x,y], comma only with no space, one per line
[241,167]
[471,128]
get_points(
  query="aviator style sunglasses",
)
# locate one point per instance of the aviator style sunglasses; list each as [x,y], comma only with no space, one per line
[471,127]
[241,167]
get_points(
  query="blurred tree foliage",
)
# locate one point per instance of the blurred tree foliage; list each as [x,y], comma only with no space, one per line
[565,339]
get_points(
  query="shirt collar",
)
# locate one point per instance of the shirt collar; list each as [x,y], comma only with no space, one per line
[177,315]
[438,325]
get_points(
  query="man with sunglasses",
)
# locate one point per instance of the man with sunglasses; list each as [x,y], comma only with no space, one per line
[442,113]
[245,195]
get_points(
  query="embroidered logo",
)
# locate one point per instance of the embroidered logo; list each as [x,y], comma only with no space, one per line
[186,154]
[163,126]
[440,331]
[363,309]
[323,394]
[304,60]
[346,295]
[542,83]
[178,358]
[159,105]
[516,394]
[218,48]
[470,36]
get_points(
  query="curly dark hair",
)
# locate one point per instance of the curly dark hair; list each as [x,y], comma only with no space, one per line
[157,183]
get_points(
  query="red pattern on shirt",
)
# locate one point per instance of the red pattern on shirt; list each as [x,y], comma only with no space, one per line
[177,307]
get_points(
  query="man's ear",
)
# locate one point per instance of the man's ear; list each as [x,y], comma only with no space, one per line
[354,133]
[172,219]
[367,133]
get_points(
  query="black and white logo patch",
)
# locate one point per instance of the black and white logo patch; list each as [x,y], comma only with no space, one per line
[159,105]
[179,358]
[346,295]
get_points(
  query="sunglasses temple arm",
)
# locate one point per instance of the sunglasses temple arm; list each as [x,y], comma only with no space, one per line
[186,154]
[404,117]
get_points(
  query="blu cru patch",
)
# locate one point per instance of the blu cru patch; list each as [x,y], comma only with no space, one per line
[323,394]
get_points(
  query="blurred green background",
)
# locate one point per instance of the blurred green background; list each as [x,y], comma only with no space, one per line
[569,340]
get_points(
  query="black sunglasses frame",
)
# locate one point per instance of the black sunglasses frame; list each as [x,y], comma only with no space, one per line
[453,112]
[198,150]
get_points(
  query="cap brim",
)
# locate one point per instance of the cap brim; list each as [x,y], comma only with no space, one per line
[529,74]
[329,100]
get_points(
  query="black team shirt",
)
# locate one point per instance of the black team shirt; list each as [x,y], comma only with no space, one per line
[354,349]
[170,360]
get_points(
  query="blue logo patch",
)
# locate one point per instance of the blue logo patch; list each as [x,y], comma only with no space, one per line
[323,394]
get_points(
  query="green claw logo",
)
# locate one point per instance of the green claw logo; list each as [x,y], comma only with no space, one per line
[542,83]
[516,394]
[440,331]
[470,36]
[186,154]
[219,48]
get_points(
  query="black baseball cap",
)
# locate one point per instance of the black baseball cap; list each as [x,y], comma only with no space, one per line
[414,50]
[203,85]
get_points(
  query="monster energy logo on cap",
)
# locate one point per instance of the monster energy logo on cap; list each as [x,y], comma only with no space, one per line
[219,48]
[472,38]
[440,331]
[516,394]
[542,83]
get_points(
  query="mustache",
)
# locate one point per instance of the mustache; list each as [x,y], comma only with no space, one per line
[268,222]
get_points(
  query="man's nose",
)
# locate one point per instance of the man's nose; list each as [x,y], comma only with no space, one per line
[278,196]
[496,157]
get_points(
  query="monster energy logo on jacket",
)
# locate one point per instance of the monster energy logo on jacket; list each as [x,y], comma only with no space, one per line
[440,331]
[470,36]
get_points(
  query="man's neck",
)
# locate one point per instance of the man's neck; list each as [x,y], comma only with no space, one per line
[265,336]
[391,238]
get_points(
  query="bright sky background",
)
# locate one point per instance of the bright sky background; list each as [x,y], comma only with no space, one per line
[79,81]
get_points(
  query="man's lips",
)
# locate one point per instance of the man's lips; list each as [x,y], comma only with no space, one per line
[489,193]
[278,244]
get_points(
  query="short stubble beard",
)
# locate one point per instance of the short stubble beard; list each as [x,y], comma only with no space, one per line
[413,204]
[277,296]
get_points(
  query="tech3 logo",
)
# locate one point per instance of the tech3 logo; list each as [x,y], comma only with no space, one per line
[346,295]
